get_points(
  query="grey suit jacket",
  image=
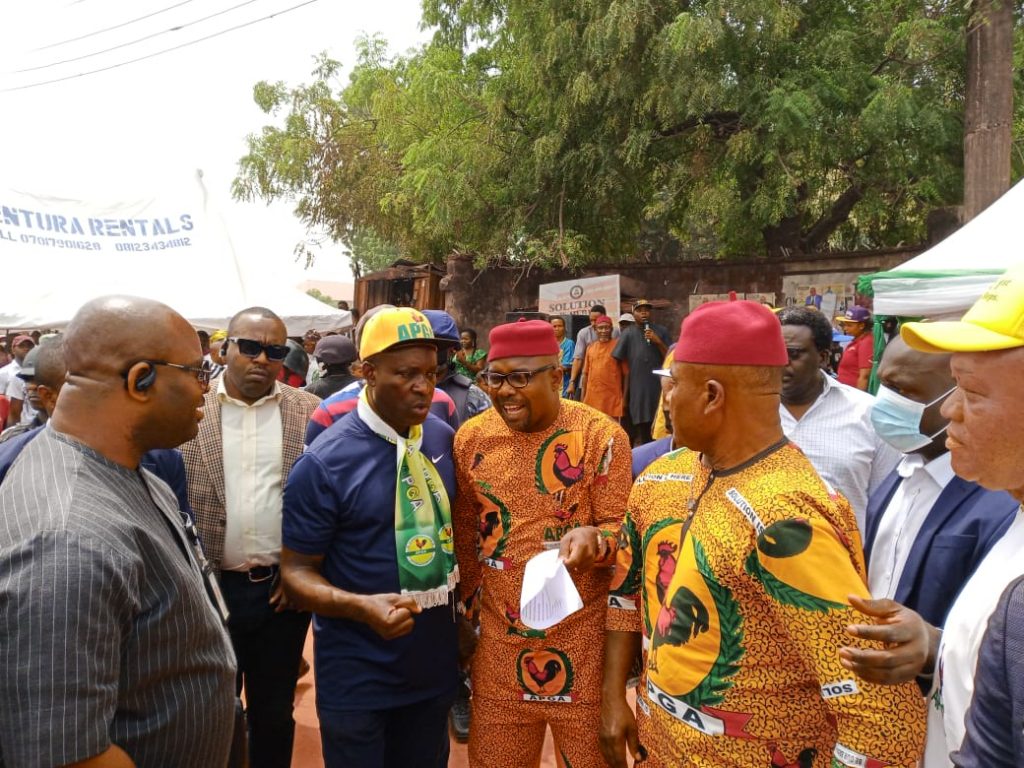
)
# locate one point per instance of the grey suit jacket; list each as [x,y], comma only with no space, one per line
[204,462]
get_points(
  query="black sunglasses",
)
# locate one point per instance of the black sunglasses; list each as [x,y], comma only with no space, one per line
[203,373]
[252,348]
[517,379]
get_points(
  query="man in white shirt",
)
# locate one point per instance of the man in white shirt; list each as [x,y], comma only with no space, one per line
[13,387]
[829,421]
[251,434]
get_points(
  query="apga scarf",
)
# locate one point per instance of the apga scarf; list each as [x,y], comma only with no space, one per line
[423,518]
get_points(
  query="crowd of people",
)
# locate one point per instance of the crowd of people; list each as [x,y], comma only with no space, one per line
[792,572]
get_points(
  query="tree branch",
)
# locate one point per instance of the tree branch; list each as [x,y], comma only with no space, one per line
[725,124]
[833,218]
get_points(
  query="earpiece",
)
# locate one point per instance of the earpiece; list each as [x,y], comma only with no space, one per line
[145,380]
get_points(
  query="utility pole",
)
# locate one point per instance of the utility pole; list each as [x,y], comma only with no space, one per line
[988,108]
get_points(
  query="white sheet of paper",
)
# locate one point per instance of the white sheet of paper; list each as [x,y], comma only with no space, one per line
[549,594]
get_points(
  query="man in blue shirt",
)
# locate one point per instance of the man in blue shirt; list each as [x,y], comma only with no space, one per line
[375,565]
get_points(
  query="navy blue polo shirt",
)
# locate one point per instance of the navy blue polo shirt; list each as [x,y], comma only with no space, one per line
[339,502]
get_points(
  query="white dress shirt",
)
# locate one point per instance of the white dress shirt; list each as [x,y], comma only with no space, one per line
[961,638]
[253,491]
[16,391]
[838,438]
[7,373]
[901,521]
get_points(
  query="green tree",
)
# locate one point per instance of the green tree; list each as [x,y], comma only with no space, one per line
[320,296]
[556,132]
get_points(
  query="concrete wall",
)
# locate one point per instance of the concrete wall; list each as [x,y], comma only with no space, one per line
[481,299]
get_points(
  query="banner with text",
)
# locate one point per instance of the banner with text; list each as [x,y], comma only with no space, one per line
[576,297]
[166,245]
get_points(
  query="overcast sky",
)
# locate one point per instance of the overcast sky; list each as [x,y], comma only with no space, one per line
[135,125]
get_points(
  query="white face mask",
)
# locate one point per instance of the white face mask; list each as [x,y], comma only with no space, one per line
[897,419]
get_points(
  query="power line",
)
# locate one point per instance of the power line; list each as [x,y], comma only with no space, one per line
[116,26]
[157,53]
[139,40]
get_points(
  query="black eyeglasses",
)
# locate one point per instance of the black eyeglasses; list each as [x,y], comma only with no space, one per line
[203,373]
[252,348]
[517,379]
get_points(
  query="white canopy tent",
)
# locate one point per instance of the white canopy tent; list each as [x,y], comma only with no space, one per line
[945,280]
[60,252]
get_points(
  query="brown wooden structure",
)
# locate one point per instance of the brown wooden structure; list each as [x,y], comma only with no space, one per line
[404,284]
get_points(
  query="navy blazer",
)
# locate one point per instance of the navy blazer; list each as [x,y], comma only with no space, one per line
[995,719]
[961,527]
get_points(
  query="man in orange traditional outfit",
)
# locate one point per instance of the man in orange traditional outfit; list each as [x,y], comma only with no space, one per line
[603,379]
[536,472]
[735,567]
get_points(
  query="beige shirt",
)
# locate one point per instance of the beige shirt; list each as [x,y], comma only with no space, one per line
[253,491]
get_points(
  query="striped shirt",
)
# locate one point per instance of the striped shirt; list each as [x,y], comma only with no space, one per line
[108,634]
[836,434]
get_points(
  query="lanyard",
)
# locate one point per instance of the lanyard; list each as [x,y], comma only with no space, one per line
[193,550]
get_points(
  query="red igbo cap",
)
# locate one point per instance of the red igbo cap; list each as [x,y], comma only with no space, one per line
[731,333]
[604,319]
[526,338]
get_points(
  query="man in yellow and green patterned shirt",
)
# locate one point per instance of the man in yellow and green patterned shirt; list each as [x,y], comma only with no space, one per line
[735,566]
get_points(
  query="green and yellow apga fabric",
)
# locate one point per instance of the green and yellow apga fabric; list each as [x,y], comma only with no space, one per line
[743,619]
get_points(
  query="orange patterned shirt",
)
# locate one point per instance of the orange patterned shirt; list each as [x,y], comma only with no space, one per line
[742,621]
[518,491]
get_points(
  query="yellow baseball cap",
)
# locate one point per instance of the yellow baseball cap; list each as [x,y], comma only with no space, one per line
[996,321]
[392,327]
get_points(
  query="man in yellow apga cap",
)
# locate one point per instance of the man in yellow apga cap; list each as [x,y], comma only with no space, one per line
[986,441]
[368,547]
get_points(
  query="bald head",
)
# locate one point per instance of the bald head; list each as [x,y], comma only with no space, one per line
[112,332]
[729,412]
[50,368]
[252,314]
[919,373]
[134,381]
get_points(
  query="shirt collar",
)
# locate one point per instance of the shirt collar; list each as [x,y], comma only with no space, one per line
[940,469]
[224,398]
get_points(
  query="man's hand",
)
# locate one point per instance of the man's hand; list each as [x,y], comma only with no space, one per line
[618,732]
[653,338]
[910,643]
[389,615]
[279,600]
[571,389]
[581,547]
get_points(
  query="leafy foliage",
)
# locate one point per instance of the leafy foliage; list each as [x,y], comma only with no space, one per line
[320,296]
[551,132]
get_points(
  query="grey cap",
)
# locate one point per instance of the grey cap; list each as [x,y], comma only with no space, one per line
[333,350]
[28,365]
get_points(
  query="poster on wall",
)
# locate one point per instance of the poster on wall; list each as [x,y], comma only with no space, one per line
[831,292]
[696,299]
[576,297]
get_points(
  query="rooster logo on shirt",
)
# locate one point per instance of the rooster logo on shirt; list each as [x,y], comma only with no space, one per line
[559,462]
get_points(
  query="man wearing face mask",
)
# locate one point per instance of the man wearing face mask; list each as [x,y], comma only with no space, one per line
[986,406]
[927,529]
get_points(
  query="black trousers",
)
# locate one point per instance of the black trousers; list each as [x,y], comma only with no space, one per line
[414,736]
[269,647]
